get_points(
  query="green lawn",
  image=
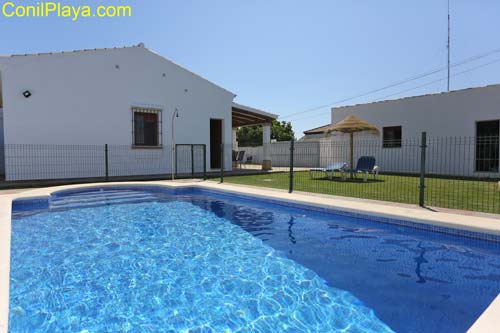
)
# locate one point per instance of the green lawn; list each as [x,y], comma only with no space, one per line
[450,193]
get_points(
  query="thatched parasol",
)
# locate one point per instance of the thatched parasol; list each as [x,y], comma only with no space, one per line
[351,125]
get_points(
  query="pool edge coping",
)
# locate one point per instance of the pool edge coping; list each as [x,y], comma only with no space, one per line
[488,320]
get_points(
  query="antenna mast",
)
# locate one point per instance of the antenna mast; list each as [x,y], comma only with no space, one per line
[448,46]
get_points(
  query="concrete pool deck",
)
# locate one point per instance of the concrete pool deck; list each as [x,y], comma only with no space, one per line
[483,223]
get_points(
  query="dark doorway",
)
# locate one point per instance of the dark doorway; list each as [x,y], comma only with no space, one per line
[215,143]
[487,145]
[2,142]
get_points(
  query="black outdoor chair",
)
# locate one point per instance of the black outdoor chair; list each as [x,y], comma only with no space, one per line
[239,158]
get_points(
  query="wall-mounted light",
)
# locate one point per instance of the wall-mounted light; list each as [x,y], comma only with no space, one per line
[26,94]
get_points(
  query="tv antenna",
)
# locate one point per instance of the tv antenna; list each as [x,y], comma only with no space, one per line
[448,46]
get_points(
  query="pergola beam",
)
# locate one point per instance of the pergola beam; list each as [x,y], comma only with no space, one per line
[247,118]
[242,117]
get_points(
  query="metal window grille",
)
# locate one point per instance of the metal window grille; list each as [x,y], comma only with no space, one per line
[146,127]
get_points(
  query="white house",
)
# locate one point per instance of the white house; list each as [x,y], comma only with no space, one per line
[462,127]
[132,99]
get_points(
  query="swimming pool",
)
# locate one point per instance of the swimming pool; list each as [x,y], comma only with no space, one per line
[158,259]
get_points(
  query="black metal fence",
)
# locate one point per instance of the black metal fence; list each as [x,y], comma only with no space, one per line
[450,172]
[28,164]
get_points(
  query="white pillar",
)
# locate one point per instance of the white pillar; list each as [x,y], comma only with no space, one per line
[266,142]
[235,140]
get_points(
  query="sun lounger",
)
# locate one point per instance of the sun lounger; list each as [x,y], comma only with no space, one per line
[329,170]
[365,166]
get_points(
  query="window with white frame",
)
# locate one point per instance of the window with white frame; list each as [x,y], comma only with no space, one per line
[146,127]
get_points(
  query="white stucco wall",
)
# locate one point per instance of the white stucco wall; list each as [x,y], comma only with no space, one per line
[449,118]
[447,114]
[306,154]
[2,161]
[257,153]
[81,98]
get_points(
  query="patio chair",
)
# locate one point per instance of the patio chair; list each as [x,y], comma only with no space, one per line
[329,170]
[365,165]
[233,158]
[239,158]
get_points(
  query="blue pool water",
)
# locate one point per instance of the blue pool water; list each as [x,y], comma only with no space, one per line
[129,260]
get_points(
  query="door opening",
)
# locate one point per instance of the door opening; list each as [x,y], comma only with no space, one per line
[487,145]
[2,142]
[215,143]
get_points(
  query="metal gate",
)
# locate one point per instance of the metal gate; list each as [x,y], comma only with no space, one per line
[191,159]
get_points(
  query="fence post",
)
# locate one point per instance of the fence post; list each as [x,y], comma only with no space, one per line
[106,163]
[175,162]
[192,161]
[423,147]
[204,162]
[222,163]
[292,148]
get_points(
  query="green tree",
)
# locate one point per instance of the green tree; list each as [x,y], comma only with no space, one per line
[251,136]
[282,131]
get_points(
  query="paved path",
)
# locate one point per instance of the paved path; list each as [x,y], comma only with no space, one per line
[14,191]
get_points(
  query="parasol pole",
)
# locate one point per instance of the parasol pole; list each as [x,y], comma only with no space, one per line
[351,144]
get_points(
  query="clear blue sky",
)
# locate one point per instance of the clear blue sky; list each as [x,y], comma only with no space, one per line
[289,56]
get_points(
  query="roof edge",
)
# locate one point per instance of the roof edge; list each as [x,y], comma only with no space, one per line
[187,70]
[140,45]
[312,130]
[417,96]
[254,110]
